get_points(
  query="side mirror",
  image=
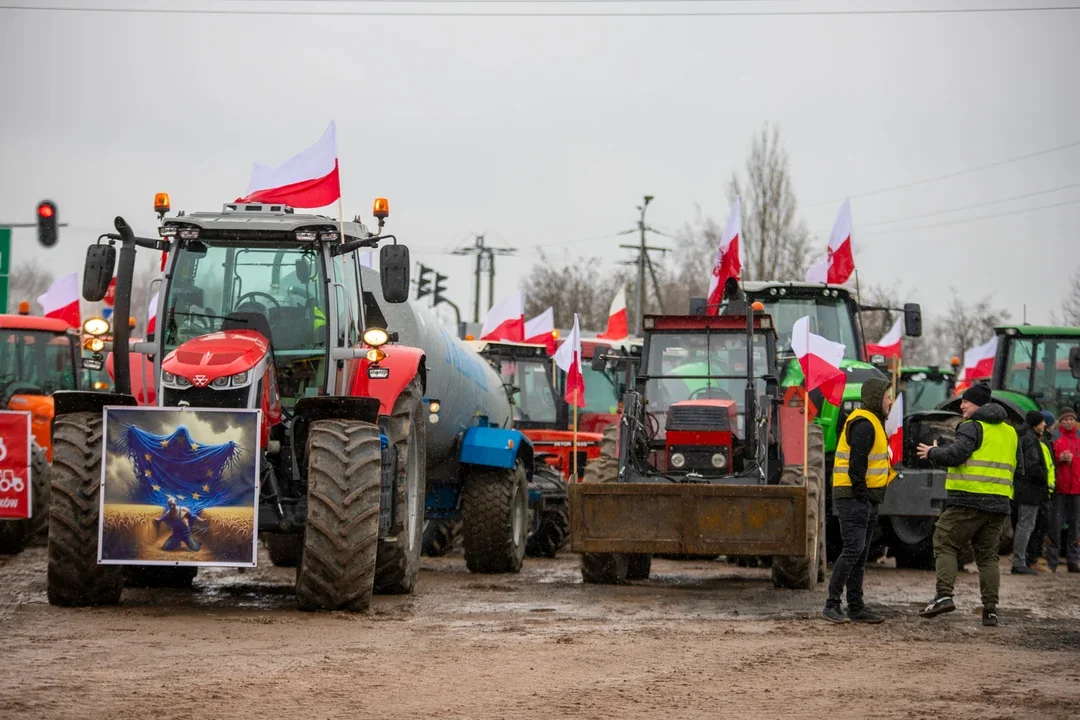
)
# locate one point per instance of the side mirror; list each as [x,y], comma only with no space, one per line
[1074,362]
[772,386]
[912,320]
[303,271]
[98,271]
[394,272]
[599,362]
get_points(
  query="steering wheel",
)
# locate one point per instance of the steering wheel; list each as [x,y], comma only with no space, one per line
[268,296]
[712,393]
[20,388]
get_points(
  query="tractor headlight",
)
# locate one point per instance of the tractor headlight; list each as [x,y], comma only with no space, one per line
[94,344]
[719,461]
[376,337]
[678,460]
[182,381]
[434,406]
[220,382]
[240,378]
[96,326]
[167,378]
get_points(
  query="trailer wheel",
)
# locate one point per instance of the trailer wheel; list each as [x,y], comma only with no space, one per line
[553,529]
[15,535]
[344,479]
[802,572]
[284,550]
[439,536]
[398,561]
[638,566]
[495,519]
[74,577]
[605,568]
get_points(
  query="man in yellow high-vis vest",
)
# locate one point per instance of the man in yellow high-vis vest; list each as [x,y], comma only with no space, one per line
[981,462]
[861,471]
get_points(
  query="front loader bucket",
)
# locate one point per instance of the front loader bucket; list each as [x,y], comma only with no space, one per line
[684,519]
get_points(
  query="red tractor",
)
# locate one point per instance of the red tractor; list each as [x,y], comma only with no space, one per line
[264,308]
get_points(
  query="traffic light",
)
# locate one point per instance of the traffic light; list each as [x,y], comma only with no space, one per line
[46,223]
[440,289]
[423,285]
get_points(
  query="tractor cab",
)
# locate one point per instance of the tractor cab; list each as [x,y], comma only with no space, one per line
[925,388]
[38,356]
[529,379]
[1032,367]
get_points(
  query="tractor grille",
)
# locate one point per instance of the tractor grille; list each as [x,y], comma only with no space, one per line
[698,417]
[207,397]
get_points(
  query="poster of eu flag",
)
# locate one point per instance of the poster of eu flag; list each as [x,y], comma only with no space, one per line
[179,487]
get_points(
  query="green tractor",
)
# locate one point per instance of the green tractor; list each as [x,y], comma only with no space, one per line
[926,387]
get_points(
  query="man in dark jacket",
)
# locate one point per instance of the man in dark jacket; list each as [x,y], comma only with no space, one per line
[861,472]
[1029,489]
[981,462]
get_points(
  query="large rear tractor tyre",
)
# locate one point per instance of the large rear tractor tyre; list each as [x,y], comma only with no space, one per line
[802,572]
[439,536]
[152,576]
[15,535]
[74,577]
[284,550]
[397,561]
[344,479]
[495,519]
[638,567]
[605,568]
[553,529]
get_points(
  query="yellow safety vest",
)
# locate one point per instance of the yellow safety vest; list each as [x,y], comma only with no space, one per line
[879,472]
[320,318]
[1051,473]
[990,469]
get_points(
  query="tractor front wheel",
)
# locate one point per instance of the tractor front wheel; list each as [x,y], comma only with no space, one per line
[801,572]
[337,568]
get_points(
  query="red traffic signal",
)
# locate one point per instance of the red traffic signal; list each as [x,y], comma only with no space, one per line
[46,223]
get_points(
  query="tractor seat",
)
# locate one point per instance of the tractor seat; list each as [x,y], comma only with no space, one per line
[249,321]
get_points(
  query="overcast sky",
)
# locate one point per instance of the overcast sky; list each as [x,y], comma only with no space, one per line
[546,132]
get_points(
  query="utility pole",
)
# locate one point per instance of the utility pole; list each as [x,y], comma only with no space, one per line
[485,262]
[642,261]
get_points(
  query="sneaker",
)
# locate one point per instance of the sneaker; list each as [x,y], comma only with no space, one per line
[938,606]
[866,615]
[833,614]
[989,617]
[1024,570]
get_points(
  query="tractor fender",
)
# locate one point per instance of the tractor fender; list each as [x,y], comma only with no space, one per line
[76,401]
[311,409]
[496,447]
[404,364]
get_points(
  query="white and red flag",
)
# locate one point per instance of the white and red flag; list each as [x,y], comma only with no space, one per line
[727,263]
[569,359]
[890,344]
[151,315]
[61,300]
[307,180]
[820,361]
[839,260]
[506,319]
[618,325]
[894,430]
[541,330]
[979,361]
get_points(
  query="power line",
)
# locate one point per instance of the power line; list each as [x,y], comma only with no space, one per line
[970,220]
[948,176]
[536,14]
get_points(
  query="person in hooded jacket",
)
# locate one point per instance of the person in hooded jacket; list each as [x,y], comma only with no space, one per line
[1029,489]
[1067,493]
[1046,507]
[981,462]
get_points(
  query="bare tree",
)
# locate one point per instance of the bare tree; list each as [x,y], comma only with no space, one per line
[776,245]
[28,281]
[968,325]
[574,287]
[1070,306]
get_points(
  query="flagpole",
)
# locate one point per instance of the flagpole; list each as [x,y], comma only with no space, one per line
[341,220]
[806,415]
[576,394]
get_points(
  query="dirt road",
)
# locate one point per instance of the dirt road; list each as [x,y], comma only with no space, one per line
[700,639]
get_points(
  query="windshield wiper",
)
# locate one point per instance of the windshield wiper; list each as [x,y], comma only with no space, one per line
[204,315]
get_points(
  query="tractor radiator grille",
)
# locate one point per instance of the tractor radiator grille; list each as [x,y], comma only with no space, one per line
[697,417]
[207,397]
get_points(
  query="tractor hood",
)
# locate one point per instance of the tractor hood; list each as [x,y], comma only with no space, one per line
[204,359]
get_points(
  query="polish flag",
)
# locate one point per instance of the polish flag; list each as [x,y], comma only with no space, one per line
[979,361]
[506,320]
[569,359]
[727,263]
[307,180]
[151,314]
[839,261]
[618,326]
[541,330]
[820,361]
[894,430]
[61,300]
[889,346]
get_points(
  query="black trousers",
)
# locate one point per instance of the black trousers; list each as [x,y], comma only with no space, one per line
[857,522]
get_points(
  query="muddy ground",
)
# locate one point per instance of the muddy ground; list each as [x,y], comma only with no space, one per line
[699,639]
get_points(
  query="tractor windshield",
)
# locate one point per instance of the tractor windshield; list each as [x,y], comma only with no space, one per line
[830,317]
[283,282]
[534,397]
[36,362]
[1039,367]
[601,393]
[923,391]
[701,365]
